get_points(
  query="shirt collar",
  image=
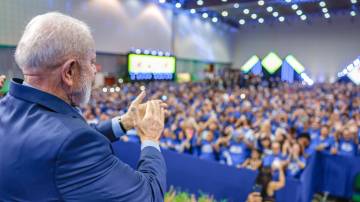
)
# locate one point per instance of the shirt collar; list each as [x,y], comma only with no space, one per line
[29,93]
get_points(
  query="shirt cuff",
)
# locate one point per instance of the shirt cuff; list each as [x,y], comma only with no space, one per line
[115,125]
[149,143]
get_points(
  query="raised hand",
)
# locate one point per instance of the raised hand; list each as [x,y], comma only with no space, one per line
[137,108]
[151,125]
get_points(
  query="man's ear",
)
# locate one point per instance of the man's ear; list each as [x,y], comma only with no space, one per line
[68,72]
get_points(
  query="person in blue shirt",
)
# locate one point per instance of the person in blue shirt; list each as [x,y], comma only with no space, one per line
[324,141]
[237,150]
[346,144]
[276,156]
[207,146]
[296,162]
[314,130]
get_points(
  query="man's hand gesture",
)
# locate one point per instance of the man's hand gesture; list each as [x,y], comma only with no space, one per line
[151,125]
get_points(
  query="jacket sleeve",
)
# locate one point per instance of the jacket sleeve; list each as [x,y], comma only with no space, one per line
[87,170]
[106,128]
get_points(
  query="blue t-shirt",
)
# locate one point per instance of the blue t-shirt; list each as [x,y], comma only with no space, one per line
[207,151]
[238,152]
[270,159]
[314,133]
[327,142]
[294,169]
[347,148]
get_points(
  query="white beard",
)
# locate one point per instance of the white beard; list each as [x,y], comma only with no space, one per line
[82,96]
[85,93]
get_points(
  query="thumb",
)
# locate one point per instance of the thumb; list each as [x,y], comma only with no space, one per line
[139,98]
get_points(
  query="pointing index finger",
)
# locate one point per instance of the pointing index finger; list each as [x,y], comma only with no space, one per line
[139,98]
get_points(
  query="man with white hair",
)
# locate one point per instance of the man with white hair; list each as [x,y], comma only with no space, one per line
[47,150]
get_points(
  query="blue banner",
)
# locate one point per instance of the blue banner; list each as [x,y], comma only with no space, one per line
[324,173]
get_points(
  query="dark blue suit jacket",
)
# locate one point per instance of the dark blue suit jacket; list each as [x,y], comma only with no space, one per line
[49,153]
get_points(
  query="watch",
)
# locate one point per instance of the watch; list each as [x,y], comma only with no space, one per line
[121,125]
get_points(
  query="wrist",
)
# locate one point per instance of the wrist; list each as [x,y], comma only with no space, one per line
[125,123]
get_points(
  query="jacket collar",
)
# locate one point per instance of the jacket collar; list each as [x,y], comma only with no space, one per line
[30,94]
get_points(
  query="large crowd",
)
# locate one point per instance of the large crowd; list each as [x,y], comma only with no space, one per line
[246,121]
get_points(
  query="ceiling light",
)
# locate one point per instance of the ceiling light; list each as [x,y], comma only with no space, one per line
[281,19]
[224,13]
[199,2]
[205,15]
[288,1]
[224,0]
[303,17]
[236,5]
[299,12]
[353,1]
[253,16]
[246,11]
[322,3]
[327,15]
[261,2]
[178,5]
[241,21]
[162,1]
[275,14]
[325,10]
[294,6]
[192,11]
[214,19]
[269,9]
[261,20]
[353,13]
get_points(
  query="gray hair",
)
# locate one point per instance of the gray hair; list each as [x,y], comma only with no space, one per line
[50,39]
